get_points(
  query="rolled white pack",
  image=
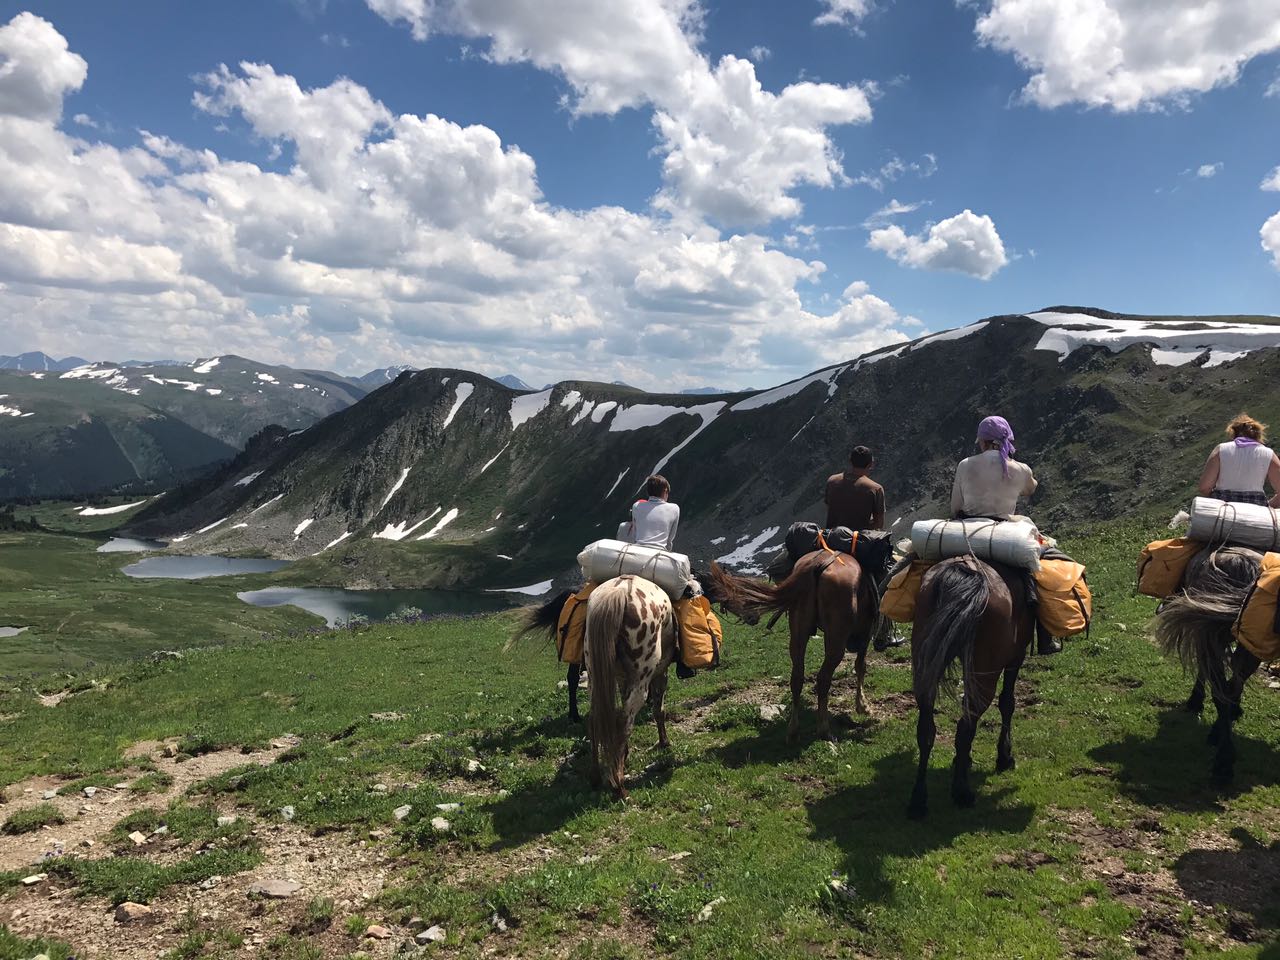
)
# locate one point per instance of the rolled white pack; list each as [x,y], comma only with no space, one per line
[1213,521]
[1014,542]
[606,559]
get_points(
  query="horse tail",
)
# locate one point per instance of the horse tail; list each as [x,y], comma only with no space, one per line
[605,612]
[748,597]
[960,592]
[539,618]
[1195,625]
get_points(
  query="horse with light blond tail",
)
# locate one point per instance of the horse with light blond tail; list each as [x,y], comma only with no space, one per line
[630,644]
[825,591]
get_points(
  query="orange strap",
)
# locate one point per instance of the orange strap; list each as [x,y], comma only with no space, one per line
[822,542]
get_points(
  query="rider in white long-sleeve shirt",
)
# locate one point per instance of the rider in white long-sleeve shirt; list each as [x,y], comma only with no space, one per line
[654,520]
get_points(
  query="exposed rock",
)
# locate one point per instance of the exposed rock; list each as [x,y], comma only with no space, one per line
[138,837]
[389,716]
[498,923]
[275,889]
[227,820]
[287,812]
[379,788]
[433,934]
[770,711]
[440,824]
[401,812]
[378,932]
[35,878]
[475,766]
[448,807]
[90,791]
[679,856]
[160,831]
[705,913]
[129,911]
[48,794]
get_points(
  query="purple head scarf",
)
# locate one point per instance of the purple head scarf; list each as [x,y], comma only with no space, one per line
[997,430]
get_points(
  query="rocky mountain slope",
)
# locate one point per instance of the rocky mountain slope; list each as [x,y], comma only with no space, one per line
[97,426]
[447,478]
[36,360]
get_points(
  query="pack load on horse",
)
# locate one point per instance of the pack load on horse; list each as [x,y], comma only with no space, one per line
[1057,590]
[873,549]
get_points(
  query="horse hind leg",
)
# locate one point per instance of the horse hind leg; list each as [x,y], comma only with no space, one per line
[573,679]
[926,733]
[1004,751]
[1243,665]
[831,660]
[1195,702]
[983,693]
[799,644]
[861,705]
[657,695]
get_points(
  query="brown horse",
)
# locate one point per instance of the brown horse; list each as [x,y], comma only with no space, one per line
[972,618]
[825,591]
[1195,626]
[630,643]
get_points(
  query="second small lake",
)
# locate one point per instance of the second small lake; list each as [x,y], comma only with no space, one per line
[130,545]
[197,568]
[336,605]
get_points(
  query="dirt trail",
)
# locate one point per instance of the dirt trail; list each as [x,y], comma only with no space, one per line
[89,818]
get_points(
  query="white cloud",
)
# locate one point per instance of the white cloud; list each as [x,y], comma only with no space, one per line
[966,243]
[846,13]
[890,210]
[1127,54]
[1207,170]
[732,150]
[1272,181]
[1273,88]
[760,52]
[36,69]
[895,168]
[84,120]
[397,239]
[1270,234]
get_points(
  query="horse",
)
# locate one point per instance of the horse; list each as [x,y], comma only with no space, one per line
[825,591]
[1195,626]
[972,618]
[630,643]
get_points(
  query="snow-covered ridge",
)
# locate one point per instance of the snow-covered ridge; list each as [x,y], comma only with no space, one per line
[1172,343]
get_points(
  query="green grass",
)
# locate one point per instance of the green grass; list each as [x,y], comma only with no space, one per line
[1108,769]
[33,818]
[83,612]
[13,947]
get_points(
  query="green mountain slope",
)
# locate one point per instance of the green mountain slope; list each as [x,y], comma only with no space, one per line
[444,477]
[98,426]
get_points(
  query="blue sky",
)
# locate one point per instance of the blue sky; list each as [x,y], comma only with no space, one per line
[1102,182]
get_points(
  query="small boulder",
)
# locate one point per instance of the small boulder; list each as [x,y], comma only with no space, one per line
[90,791]
[475,766]
[770,711]
[448,807]
[401,812]
[433,934]
[35,878]
[378,932]
[160,831]
[227,820]
[138,837]
[275,889]
[705,913]
[287,812]
[48,794]
[129,911]
[440,824]
[379,788]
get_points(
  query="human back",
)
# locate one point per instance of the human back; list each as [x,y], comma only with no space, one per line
[989,483]
[853,499]
[1239,470]
[654,520]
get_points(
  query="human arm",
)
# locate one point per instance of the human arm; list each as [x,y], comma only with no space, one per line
[957,496]
[877,516]
[1209,475]
[1273,477]
[1029,487]
[675,522]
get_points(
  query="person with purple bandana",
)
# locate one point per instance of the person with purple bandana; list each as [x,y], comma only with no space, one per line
[1238,470]
[988,485]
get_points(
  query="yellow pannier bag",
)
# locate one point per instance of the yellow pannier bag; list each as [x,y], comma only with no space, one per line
[1163,564]
[700,633]
[1255,628]
[1066,605]
[899,600]
[571,629]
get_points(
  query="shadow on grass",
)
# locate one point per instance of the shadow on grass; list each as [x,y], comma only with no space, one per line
[543,807]
[869,821]
[1171,767]
[1246,881]
[769,745]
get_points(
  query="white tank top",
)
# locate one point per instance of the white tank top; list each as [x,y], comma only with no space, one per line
[1243,469]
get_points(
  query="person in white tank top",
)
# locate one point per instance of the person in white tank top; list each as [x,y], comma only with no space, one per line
[1239,470]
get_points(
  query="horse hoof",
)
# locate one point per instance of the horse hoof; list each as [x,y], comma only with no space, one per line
[1195,707]
[864,710]
[1004,765]
[575,717]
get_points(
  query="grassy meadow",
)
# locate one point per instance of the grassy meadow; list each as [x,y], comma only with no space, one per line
[1106,841]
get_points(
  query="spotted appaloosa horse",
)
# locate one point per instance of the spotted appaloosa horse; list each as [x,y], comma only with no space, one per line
[630,643]
[1195,626]
[825,591]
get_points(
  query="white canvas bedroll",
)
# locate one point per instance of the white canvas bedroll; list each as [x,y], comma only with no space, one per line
[606,559]
[1015,542]
[1213,521]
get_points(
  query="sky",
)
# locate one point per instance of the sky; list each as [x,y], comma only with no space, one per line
[669,193]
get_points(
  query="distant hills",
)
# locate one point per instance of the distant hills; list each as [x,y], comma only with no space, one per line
[447,478]
[37,361]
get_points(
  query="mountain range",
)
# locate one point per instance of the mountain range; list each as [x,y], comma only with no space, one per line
[447,478]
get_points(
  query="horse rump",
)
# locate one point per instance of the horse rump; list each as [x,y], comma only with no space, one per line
[957,592]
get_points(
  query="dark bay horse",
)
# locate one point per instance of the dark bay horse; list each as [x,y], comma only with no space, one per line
[825,591]
[972,619]
[1195,626]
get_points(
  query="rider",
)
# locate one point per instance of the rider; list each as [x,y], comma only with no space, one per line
[654,520]
[853,499]
[1238,470]
[988,485]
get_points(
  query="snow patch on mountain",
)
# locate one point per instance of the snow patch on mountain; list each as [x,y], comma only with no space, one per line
[206,366]
[397,531]
[495,458]
[443,522]
[616,482]
[708,412]
[527,406]
[743,557]
[460,394]
[298,530]
[248,479]
[216,523]
[394,490]
[1173,343]
[778,394]
[105,511]
[533,590]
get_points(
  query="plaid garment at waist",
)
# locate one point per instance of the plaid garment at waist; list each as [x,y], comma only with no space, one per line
[1256,497]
